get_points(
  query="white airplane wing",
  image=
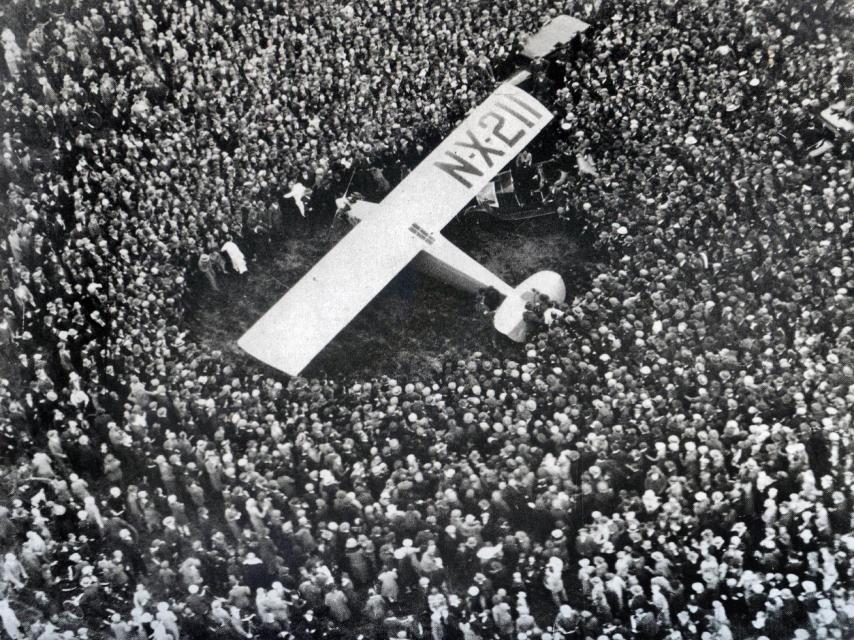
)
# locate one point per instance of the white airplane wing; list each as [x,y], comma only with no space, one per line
[463,164]
[349,276]
[329,296]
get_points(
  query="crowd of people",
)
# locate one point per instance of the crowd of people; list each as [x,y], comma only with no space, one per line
[671,454]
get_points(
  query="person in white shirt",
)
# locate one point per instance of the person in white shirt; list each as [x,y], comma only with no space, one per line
[235,255]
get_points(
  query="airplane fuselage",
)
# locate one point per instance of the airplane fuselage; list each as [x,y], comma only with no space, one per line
[441,258]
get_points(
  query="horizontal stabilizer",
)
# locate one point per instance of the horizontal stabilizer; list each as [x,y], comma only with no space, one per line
[510,316]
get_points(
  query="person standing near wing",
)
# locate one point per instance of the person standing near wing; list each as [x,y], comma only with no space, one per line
[206,267]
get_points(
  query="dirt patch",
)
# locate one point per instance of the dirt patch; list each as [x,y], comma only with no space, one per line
[415,320]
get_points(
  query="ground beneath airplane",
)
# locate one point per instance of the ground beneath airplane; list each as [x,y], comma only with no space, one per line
[415,318]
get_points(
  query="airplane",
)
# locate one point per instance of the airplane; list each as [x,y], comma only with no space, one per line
[406,228]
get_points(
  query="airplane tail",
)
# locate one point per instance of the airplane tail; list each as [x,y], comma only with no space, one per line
[509,317]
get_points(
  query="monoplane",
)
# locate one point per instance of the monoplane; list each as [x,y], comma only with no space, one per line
[406,227]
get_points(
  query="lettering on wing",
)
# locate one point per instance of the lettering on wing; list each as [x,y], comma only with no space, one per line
[496,133]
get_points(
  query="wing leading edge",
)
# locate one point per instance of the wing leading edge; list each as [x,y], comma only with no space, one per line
[349,276]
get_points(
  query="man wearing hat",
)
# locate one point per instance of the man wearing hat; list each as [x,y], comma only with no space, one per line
[376,607]
[405,562]
[567,623]
[357,563]
[553,580]
[485,588]
[388,581]
[337,603]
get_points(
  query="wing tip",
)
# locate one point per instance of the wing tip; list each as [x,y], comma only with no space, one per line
[261,351]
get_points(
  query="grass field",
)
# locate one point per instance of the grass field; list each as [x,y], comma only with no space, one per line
[415,319]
